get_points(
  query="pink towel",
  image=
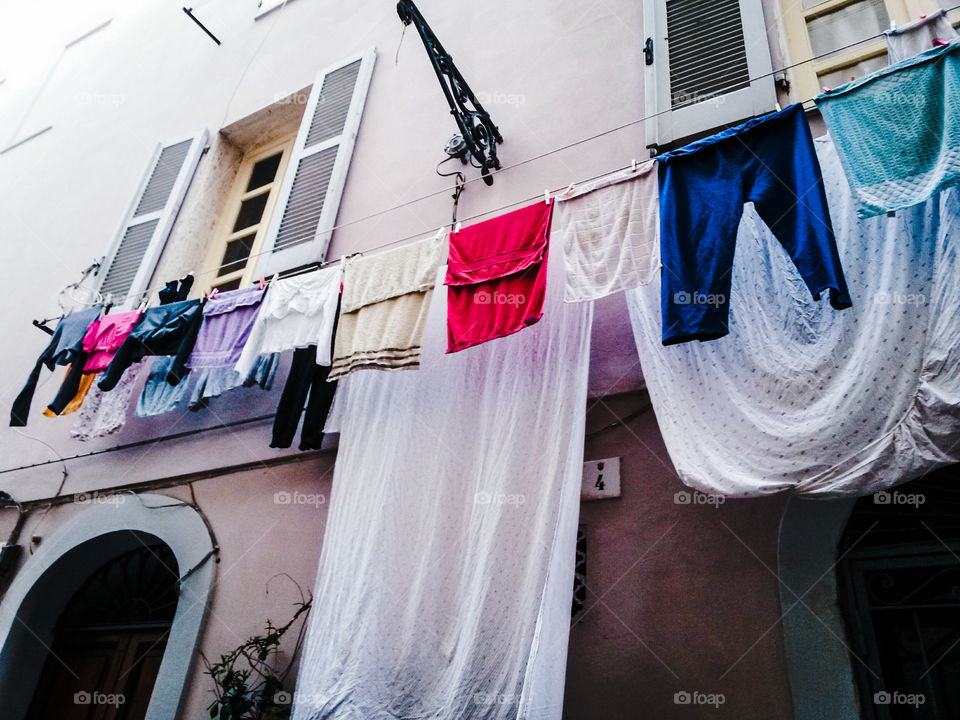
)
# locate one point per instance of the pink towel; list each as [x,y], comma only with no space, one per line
[497,276]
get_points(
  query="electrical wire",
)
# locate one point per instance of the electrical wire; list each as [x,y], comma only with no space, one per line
[520,163]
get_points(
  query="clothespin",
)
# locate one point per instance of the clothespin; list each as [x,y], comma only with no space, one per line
[546,197]
[939,42]
[633,165]
[825,89]
[263,282]
[143,306]
[439,234]
[776,106]
[214,293]
[456,228]
[569,189]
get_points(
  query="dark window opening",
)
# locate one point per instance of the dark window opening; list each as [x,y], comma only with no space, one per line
[900,586]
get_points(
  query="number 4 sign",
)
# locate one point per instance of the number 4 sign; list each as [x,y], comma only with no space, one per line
[601,479]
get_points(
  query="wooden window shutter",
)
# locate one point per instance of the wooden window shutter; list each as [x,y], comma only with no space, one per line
[708,59]
[129,264]
[306,211]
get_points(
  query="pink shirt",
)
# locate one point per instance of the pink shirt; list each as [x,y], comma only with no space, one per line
[104,337]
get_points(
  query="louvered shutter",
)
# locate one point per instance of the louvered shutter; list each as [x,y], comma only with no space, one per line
[306,210]
[708,59]
[130,262]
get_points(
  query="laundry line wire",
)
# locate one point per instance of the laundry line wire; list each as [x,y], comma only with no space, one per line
[143,294]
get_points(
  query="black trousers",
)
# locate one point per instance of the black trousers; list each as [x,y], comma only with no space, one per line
[306,380]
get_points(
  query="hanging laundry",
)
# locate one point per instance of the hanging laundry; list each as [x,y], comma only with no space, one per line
[897,130]
[104,337]
[86,381]
[306,380]
[104,413]
[497,275]
[384,308]
[176,290]
[805,399]
[297,312]
[608,231]
[164,330]
[446,568]
[213,382]
[918,36]
[158,396]
[769,161]
[228,318]
[65,348]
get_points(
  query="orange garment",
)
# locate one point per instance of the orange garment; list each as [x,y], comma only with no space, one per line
[85,383]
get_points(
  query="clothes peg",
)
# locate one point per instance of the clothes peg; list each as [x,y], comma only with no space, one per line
[143,306]
[569,189]
[457,228]
[633,165]
[546,197]
[214,293]
[825,89]
[939,42]
[439,234]
[776,106]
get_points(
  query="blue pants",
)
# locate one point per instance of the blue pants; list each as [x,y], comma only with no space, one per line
[769,161]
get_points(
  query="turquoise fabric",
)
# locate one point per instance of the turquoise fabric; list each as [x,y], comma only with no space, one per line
[897,130]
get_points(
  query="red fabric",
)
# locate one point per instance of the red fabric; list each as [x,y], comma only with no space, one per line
[497,276]
[104,337]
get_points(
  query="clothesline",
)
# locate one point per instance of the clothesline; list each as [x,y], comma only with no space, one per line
[640,220]
[692,101]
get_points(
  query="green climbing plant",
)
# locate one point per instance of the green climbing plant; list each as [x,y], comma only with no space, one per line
[247,684]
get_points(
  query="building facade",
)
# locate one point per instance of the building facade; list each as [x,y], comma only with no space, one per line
[262,139]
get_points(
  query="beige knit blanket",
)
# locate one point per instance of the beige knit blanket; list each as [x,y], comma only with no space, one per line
[384,308]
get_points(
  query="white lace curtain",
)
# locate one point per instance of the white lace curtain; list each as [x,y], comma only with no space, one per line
[800,396]
[445,579]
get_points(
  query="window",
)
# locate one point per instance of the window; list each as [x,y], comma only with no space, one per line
[708,65]
[131,258]
[248,215]
[898,575]
[309,197]
[844,38]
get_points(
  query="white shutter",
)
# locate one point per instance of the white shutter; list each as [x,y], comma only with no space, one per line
[306,210]
[705,54]
[129,264]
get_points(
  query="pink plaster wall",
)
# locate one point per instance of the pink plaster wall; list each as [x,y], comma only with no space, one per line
[681,597]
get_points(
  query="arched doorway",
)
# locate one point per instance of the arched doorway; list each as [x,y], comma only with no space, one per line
[38,597]
[109,640]
[899,587]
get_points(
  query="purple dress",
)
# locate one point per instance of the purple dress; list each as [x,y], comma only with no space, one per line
[227,320]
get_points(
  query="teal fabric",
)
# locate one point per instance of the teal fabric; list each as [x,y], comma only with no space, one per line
[897,130]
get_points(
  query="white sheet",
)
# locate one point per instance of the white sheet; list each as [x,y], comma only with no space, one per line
[446,574]
[800,396]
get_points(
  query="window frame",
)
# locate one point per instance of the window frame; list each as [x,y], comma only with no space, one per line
[669,125]
[239,193]
[806,75]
